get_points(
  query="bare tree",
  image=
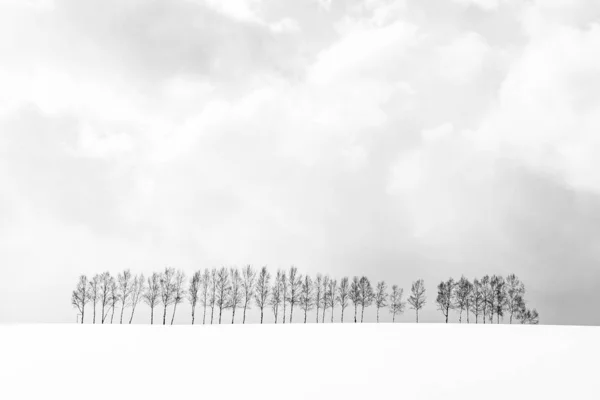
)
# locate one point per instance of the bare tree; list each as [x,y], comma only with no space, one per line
[343,295]
[417,298]
[306,300]
[167,290]
[213,293]
[381,297]
[318,291]
[354,294]
[295,283]
[125,281]
[325,296]
[223,290]
[193,290]
[80,296]
[284,292]
[476,301]
[205,292]
[105,284]
[152,294]
[137,291]
[499,296]
[261,295]
[178,291]
[462,296]
[446,297]
[248,277]
[276,294]
[113,298]
[236,292]
[527,316]
[486,294]
[396,304]
[515,291]
[332,296]
[94,293]
[366,295]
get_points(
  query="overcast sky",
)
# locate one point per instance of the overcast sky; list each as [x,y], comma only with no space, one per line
[399,139]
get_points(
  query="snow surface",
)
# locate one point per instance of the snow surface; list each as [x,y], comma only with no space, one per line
[324,361]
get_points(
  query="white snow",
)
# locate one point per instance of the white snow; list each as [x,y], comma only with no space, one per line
[330,361]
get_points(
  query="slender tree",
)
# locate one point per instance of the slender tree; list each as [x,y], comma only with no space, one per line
[476,300]
[306,300]
[284,293]
[462,295]
[223,291]
[381,297]
[213,293]
[94,293]
[261,295]
[125,281]
[236,293]
[193,289]
[178,291]
[397,306]
[366,295]
[167,290]
[113,298]
[499,295]
[515,291]
[417,298]
[276,296]
[486,294]
[318,292]
[248,278]
[137,291]
[204,293]
[354,295]
[527,316]
[152,294]
[325,296]
[332,296]
[343,295]
[80,296]
[446,297]
[295,283]
[105,286]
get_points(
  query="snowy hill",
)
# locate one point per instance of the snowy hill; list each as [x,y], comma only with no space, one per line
[330,361]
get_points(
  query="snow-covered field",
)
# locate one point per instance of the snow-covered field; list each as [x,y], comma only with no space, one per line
[331,361]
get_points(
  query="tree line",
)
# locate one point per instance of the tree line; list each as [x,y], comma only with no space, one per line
[215,290]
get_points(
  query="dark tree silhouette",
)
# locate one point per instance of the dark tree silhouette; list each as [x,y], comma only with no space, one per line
[193,290]
[366,295]
[318,292]
[236,292]
[325,296]
[276,295]
[137,291]
[462,295]
[332,296]
[167,290]
[476,300]
[80,296]
[204,293]
[499,296]
[262,290]
[343,295]
[396,304]
[515,291]
[486,293]
[525,315]
[381,297]
[295,283]
[354,295]
[105,286]
[152,294]
[178,291]
[125,281]
[284,293]
[213,293]
[446,297]
[306,300]
[113,298]
[417,298]
[248,278]
[94,293]
[223,291]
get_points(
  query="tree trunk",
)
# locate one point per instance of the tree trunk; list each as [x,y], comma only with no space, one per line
[204,315]
[342,317]
[317,315]
[460,317]
[151,315]
[291,311]
[122,309]
[393,317]
[362,313]
[94,321]
[377,314]
[283,319]
[132,311]
[112,315]
[305,310]
[103,313]
[233,316]
[212,312]
[261,315]
[165,315]
[174,309]
[220,313]
[355,309]
[417,315]
[447,312]
[83,313]
[244,318]
[324,316]
[332,314]
[193,316]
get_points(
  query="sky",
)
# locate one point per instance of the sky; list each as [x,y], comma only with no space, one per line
[396,139]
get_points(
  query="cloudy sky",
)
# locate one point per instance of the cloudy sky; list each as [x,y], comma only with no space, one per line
[400,139]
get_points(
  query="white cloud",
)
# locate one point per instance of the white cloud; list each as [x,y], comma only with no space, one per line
[463,59]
